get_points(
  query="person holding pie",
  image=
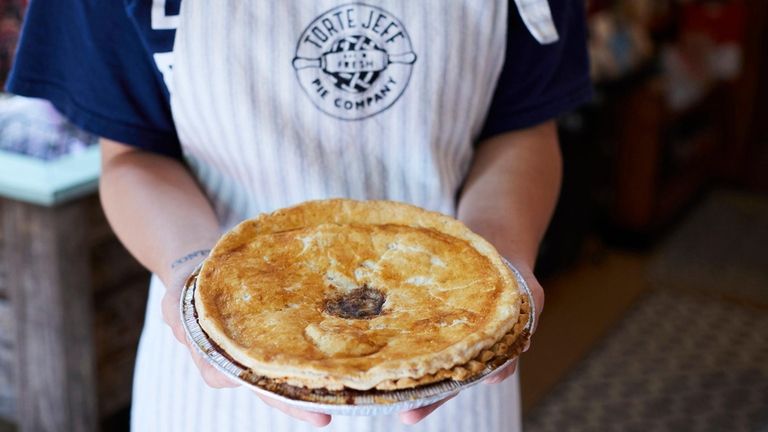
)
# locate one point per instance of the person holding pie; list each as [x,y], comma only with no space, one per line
[212,113]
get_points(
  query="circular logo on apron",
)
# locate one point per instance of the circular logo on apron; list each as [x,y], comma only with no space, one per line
[354,61]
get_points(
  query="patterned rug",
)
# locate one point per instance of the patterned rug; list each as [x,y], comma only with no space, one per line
[692,355]
[675,363]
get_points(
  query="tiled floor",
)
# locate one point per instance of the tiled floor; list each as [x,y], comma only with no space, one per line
[676,362]
[691,354]
[582,304]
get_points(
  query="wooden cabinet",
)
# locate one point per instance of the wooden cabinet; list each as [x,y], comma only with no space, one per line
[661,158]
[72,305]
[658,158]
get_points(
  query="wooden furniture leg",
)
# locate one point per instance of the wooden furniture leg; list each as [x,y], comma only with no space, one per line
[46,256]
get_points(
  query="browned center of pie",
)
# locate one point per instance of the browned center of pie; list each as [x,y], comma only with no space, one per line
[360,303]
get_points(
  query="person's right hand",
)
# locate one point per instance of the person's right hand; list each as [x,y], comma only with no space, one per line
[174,282]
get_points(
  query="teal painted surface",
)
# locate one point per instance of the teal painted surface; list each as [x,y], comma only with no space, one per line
[49,183]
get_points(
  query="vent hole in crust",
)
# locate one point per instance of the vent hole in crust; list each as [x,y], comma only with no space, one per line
[360,303]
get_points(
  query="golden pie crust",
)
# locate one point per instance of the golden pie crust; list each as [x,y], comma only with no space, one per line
[341,294]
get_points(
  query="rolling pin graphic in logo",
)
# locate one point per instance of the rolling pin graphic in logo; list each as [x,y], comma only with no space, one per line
[354,61]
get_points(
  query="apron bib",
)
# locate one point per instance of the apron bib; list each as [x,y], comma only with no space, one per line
[280,102]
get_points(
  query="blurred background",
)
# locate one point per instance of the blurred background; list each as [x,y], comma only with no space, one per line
[655,265]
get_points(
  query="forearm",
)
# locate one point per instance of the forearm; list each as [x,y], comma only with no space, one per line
[511,191]
[154,206]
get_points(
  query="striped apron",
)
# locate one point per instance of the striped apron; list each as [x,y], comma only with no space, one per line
[276,103]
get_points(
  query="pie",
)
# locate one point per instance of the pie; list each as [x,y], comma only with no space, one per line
[359,295]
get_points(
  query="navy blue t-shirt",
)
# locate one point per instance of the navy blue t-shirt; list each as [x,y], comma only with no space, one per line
[99,62]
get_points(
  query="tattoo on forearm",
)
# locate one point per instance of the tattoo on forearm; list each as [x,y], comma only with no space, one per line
[190,256]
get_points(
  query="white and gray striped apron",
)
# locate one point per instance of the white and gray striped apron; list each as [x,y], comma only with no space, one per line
[280,102]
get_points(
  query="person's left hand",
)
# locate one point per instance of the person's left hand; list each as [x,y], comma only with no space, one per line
[414,416]
[538,305]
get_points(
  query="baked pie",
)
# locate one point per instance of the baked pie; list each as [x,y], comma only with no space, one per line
[343,295]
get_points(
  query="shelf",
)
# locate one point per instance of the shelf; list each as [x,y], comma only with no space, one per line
[49,183]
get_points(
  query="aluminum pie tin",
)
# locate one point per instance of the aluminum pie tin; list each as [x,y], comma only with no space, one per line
[356,403]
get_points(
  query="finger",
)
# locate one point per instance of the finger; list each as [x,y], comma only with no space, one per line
[211,376]
[503,374]
[538,304]
[537,292]
[171,316]
[313,418]
[216,379]
[179,334]
[414,416]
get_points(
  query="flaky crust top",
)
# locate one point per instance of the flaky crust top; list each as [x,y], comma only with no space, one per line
[341,293]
